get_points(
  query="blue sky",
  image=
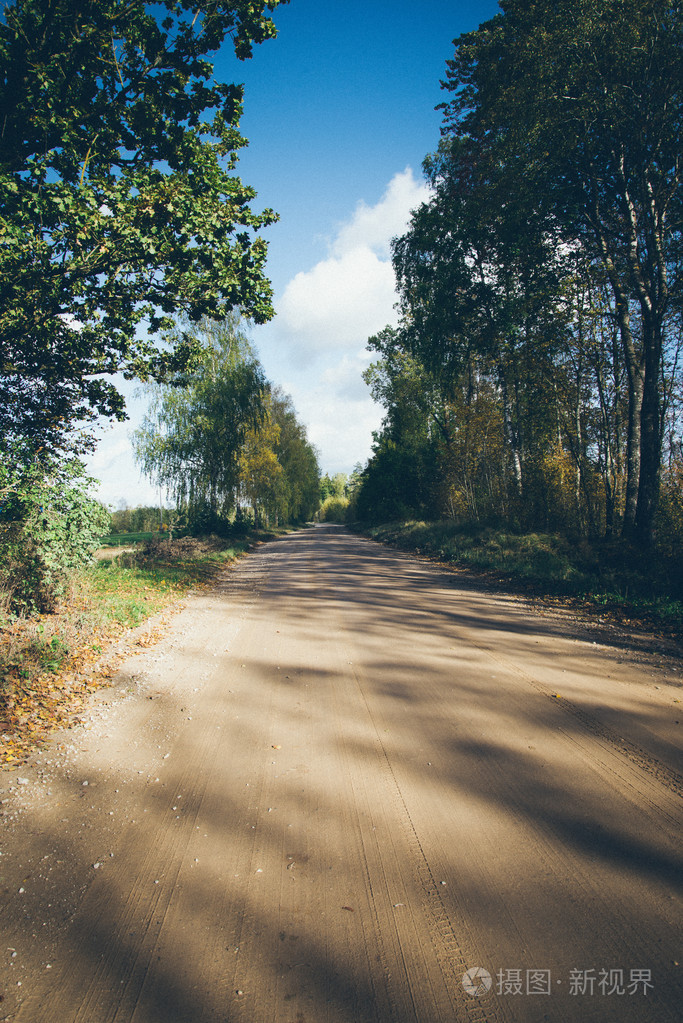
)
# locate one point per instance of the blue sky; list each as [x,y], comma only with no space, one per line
[339,114]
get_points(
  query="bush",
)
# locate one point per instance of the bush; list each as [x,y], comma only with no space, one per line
[333,509]
[49,526]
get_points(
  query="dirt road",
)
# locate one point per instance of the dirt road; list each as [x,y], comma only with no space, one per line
[345,778]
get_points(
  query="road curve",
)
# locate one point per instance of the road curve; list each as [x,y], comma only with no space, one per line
[345,778]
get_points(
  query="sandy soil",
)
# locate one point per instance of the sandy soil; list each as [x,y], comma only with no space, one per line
[343,779]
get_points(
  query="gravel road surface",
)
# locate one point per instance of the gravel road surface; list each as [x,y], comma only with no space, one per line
[345,780]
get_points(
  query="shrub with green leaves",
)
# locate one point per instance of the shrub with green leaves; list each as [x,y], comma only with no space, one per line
[49,526]
[334,509]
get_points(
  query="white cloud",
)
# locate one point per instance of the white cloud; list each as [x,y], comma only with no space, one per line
[349,296]
[315,348]
[375,226]
[70,320]
[339,303]
[345,379]
[342,442]
[112,462]
[339,414]
[113,465]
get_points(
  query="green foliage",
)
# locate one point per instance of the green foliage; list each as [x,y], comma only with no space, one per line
[536,365]
[52,652]
[262,480]
[542,557]
[607,574]
[119,205]
[406,473]
[124,539]
[141,519]
[396,483]
[334,509]
[49,527]
[104,597]
[279,472]
[576,111]
[334,486]
[228,438]
[670,515]
[299,461]
[190,440]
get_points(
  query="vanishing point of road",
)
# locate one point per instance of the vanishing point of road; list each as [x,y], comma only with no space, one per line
[351,786]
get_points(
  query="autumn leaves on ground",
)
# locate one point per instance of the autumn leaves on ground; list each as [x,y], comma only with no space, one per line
[50,663]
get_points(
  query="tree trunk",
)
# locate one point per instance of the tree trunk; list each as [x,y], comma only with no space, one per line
[651,437]
[635,376]
[511,434]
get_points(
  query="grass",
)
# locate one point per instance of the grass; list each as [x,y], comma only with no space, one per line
[609,576]
[49,663]
[132,586]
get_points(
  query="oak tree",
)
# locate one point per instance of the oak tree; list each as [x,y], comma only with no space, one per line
[120,208]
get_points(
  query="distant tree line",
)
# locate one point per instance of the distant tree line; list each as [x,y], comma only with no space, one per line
[141,519]
[336,494]
[536,374]
[228,444]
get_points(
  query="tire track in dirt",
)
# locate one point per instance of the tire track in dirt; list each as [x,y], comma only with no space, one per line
[353,812]
[616,743]
[452,946]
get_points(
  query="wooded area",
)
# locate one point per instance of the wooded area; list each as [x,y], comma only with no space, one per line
[535,377]
[228,441]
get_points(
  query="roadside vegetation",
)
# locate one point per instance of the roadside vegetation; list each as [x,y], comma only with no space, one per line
[227,445]
[229,451]
[533,384]
[50,662]
[335,495]
[614,579]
